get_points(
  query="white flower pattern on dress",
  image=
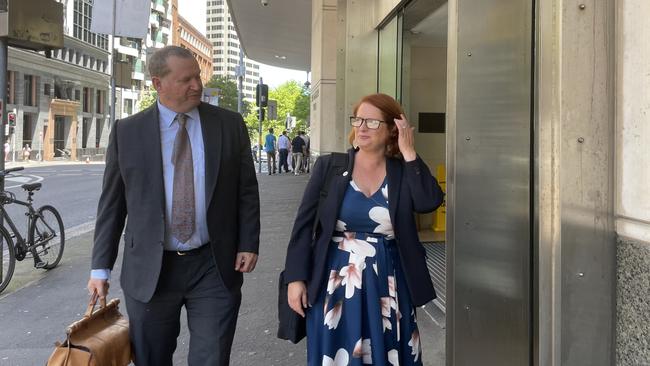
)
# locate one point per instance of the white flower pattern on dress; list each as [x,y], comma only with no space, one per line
[341,359]
[381,216]
[352,274]
[334,282]
[393,357]
[362,350]
[415,344]
[349,243]
[333,316]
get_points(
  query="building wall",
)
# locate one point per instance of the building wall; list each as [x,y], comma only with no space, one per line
[48,73]
[632,177]
[190,38]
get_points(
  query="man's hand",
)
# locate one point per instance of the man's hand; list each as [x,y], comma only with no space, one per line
[101,286]
[297,294]
[245,262]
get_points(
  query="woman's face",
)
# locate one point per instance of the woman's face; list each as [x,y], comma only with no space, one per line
[367,138]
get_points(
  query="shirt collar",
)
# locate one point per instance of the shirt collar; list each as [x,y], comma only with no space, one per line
[167,116]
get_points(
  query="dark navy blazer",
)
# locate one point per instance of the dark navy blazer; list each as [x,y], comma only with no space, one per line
[411,188]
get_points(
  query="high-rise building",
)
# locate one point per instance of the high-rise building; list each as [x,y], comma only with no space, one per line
[220,30]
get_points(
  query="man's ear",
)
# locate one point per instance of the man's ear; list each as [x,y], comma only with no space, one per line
[156,83]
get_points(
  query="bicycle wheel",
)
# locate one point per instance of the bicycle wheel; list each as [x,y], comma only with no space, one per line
[47,237]
[8,261]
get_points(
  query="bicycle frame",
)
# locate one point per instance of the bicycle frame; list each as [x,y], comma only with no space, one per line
[31,215]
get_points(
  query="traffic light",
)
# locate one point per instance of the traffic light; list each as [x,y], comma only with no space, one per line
[11,117]
[262,95]
[12,130]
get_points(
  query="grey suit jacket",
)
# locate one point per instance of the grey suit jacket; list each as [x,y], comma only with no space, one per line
[133,187]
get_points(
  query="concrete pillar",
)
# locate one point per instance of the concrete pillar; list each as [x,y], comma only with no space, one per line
[632,177]
[325,24]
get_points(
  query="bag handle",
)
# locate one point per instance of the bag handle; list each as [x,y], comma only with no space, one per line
[92,302]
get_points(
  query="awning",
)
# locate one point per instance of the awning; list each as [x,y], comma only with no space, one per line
[278,34]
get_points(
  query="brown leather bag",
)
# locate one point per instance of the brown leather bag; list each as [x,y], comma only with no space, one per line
[101,338]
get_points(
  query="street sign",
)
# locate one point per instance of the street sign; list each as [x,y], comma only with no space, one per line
[273,109]
[211,95]
[33,24]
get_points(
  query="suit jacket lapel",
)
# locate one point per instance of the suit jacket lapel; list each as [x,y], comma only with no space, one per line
[394,173]
[153,153]
[211,128]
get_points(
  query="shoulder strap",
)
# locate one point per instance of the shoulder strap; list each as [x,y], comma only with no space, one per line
[338,163]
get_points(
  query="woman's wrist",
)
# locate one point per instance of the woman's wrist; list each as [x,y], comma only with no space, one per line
[409,155]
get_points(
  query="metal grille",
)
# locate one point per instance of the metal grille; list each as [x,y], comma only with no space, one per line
[437,269]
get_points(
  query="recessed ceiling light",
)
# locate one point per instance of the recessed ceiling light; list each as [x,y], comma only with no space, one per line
[281,57]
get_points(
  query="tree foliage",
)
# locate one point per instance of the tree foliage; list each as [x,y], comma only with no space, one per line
[228,95]
[147,99]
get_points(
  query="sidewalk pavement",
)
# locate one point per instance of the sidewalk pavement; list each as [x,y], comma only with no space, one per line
[35,316]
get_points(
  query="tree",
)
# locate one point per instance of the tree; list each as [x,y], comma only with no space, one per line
[147,99]
[292,99]
[228,93]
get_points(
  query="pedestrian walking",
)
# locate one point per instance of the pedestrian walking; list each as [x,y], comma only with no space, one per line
[27,152]
[269,147]
[283,147]
[359,279]
[297,152]
[182,248]
[306,160]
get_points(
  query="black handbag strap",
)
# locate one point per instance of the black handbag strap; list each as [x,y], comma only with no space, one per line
[338,163]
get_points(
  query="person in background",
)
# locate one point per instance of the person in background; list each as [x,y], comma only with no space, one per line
[283,147]
[27,151]
[270,147]
[306,160]
[182,247]
[359,274]
[297,152]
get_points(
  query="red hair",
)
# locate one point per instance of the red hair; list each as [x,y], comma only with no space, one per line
[390,109]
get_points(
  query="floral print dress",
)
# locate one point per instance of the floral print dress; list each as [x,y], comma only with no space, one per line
[363,315]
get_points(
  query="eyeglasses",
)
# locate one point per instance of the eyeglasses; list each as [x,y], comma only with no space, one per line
[371,123]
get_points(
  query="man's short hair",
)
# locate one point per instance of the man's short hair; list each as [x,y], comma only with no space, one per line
[158,60]
[270,130]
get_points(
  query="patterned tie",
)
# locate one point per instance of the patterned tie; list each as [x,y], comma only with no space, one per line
[183,219]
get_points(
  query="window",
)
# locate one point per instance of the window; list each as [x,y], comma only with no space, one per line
[28,129]
[81,25]
[128,106]
[87,100]
[85,131]
[101,97]
[11,87]
[99,127]
[30,90]
[77,95]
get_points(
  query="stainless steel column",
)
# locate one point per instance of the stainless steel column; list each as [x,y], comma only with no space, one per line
[489,183]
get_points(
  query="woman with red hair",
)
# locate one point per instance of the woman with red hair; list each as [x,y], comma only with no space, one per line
[358,274]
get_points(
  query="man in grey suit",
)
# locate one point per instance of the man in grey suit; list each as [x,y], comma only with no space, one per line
[182,173]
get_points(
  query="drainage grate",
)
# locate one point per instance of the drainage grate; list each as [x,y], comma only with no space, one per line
[437,269]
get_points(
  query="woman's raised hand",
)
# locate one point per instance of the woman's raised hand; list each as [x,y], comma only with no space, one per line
[405,138]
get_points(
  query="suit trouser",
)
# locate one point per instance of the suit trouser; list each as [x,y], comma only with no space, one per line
[270,161]
[192,281]
[284,154]
[297,162]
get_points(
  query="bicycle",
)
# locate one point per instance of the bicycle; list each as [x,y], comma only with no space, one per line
[45,235]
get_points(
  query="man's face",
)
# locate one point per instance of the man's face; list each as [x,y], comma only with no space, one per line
[180,90]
